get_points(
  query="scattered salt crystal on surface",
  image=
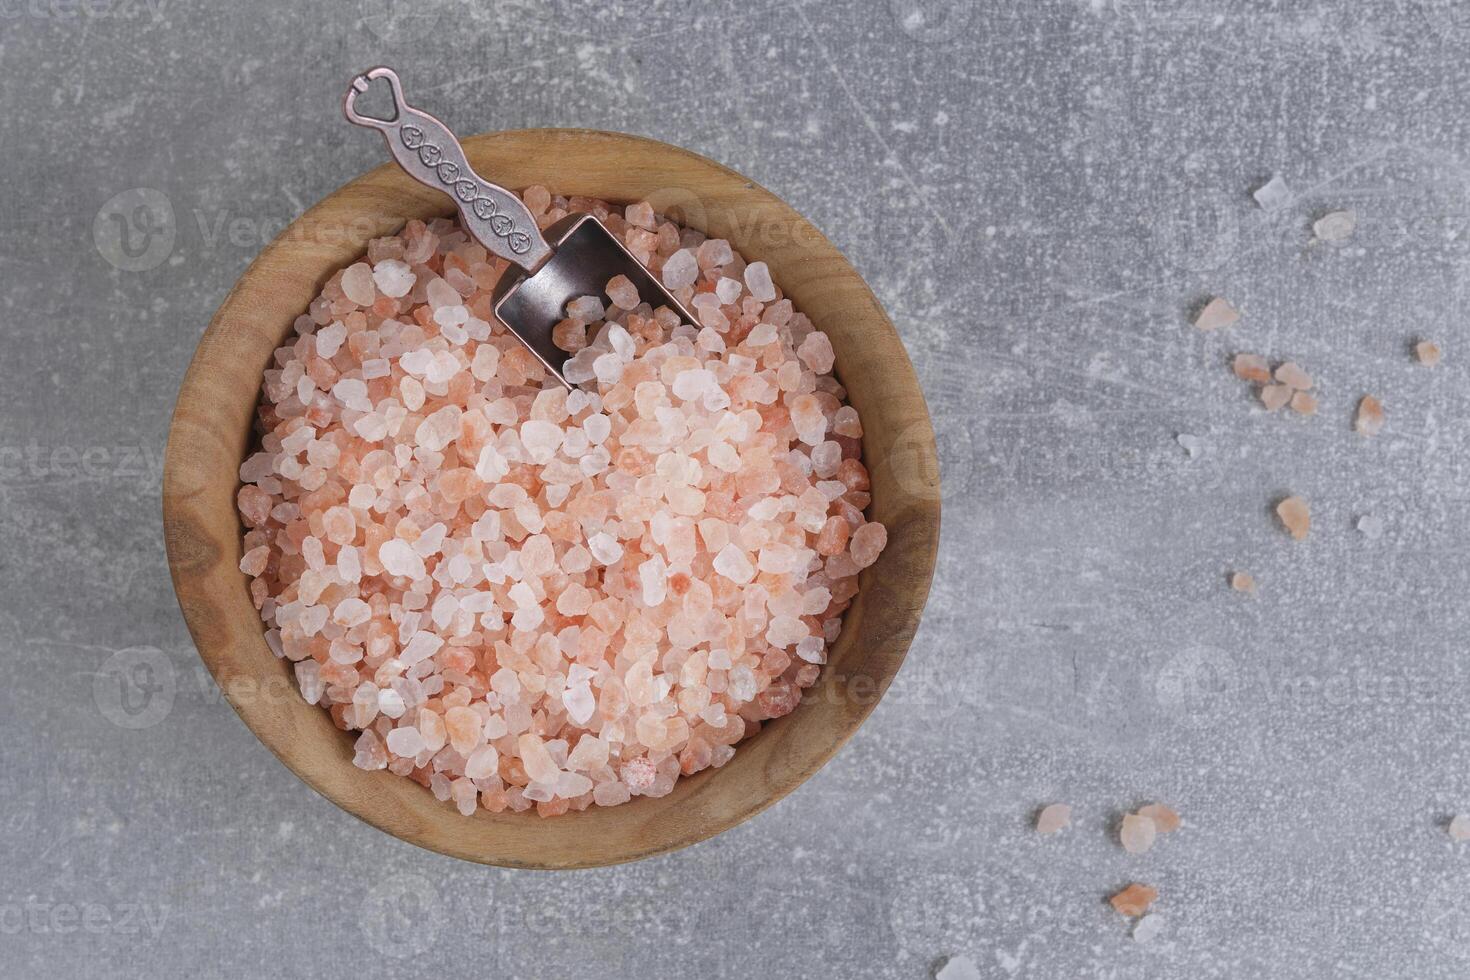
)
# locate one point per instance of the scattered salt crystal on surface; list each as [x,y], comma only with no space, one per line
[1304,403]
[1370,526]
[1241,582]
[1273,194]
[1427,352]
[958,968]
[1274,397]
[1335,226]
[1459,828]
[1293,376]
[1053,818]
[1369,421]
[1137,833]
[1165,819]
[1217,313]
[1192,445]
[1252,367]
[1134,900]
[1148,927]
[1296,516]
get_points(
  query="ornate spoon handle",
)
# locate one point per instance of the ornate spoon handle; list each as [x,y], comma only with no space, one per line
[428,151]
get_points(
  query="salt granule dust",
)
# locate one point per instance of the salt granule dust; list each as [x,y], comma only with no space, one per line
[520,595]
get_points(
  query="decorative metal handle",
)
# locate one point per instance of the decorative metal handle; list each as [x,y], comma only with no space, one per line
[428,151]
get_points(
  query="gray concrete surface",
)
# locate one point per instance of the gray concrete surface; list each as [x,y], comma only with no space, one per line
[1040,192]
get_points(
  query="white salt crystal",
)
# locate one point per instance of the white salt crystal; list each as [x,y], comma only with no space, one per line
[309,679]
[958,968]
[393,278]
[732,563]
[357,284]
[541,439]
[758,281]
[1459,828]
[391,703]
[353,393]
[405,742]
[351,611]
[653,575]
[484,763]
[1337,226]
[1192,445]
[728,290]
[689,385]
[398,558]
[604,548]
[680,269]
[1137,834]
[1148,927]
[598,427]
[1273,194]
[1370,526]
[421,647]
[608,368]
[580,703]
[329,339]
[440,293]
[761,334]
[587,309]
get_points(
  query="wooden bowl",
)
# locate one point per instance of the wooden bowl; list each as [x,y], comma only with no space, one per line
[212,430]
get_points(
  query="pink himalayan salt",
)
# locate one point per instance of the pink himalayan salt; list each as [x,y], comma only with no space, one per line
[1053,818]
[1137,833]
[517,595]
[622,292]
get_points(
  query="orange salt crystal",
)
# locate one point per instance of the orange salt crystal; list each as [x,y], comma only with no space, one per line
[1243,582]
[1252,367]
[1165,819]
[1217,313]
[1427,352]
[1275,396]
[1370,416]
[1134,900]
[1293,376]
[1304,403]
[1295,516]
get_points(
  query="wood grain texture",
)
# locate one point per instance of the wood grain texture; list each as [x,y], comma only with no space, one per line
[211,430]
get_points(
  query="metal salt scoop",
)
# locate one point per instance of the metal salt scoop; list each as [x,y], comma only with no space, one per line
[574,257]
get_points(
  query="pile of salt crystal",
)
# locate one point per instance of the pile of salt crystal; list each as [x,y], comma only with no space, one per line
[520,595]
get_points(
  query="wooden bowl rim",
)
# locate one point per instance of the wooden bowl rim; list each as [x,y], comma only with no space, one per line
[204,577]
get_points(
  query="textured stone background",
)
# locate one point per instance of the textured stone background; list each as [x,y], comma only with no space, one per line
[1039,192]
